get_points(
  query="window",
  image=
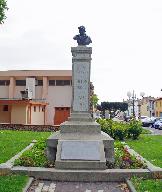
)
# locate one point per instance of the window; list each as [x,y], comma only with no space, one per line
[5,108]
[52,82]
[62,82]
[43,108]
[39,82]
[59,82]
[39,108]
[20,82]
[4,82]
[35,108]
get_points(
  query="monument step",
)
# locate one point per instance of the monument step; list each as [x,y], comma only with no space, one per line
[81,119]
[82,175]
[80,127]
[66,164]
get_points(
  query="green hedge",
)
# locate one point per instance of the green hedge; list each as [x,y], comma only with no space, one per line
[121,130]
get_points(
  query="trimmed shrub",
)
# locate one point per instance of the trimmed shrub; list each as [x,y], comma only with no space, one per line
[135,129]
[121,130]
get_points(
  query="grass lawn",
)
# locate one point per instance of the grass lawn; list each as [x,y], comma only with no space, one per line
[147,185]
[150,147]
[12,142]
[13,183]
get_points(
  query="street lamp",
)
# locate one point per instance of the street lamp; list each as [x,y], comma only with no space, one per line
[132,98]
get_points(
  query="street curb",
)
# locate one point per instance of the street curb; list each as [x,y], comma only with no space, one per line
[28,184]
[10,162]
[5,168]
[152,168]
[130,185]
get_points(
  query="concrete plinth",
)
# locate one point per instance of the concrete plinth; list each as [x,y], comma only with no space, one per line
[76,129]
[80,129]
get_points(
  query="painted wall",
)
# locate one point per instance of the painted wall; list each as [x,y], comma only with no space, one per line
[37,118]
[158,107]
[5,115]
[19,114]
[4,91]
[58,96]
[38,92]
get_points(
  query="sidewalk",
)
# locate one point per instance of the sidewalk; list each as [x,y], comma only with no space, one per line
[52,186]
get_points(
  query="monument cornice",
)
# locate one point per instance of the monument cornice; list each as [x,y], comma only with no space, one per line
[81,60]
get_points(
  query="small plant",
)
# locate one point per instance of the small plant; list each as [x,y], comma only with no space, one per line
[124,160]
[135,129]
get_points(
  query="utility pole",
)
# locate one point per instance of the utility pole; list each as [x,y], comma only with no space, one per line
[133,97]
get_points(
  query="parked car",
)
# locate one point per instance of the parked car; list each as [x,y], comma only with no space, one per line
[147,121]
[158,123]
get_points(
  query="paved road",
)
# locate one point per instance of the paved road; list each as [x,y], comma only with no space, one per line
[154,131]
[52,186]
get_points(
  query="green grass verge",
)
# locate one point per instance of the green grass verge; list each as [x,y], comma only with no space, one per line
[145,131]
[147,185]
[35,157]
[150,147]
[13,183]
[12,142]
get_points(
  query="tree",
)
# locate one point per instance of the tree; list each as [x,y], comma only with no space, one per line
[94,100]
[3,7]
[114,106]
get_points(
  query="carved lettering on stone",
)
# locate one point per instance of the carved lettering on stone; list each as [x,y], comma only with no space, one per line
[81,87]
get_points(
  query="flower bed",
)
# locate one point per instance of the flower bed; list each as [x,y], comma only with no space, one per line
[123,159]
[35,157]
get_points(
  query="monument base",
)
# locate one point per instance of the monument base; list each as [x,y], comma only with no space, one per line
[80,144]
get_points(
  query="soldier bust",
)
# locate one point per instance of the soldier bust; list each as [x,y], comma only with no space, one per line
[82,38]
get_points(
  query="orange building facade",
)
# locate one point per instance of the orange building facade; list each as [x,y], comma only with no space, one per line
[50,103]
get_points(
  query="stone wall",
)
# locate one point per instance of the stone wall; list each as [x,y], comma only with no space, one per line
[21,127]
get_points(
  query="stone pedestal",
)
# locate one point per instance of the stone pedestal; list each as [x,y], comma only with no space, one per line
[80,144]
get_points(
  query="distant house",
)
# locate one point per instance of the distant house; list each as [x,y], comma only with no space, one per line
[22,112]
[52,87]
[158,107]
[130,108]
[147,106]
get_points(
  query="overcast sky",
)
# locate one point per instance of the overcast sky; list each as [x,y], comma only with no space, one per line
[126,35]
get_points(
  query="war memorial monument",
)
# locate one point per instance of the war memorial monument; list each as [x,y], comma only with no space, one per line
[80,144]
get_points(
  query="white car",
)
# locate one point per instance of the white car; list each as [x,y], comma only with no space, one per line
[146,121]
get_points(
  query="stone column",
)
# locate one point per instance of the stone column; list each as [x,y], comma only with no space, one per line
[11,87]
[45,88]
[81,65]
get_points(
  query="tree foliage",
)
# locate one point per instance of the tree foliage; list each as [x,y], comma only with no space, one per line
[3,7]
[114,106]
[94,100]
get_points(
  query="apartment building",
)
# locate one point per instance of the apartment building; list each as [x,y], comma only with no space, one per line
[147,106]
[158,107]
[50,92]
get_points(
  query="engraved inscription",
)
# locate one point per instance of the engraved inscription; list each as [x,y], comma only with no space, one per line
[81,87]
